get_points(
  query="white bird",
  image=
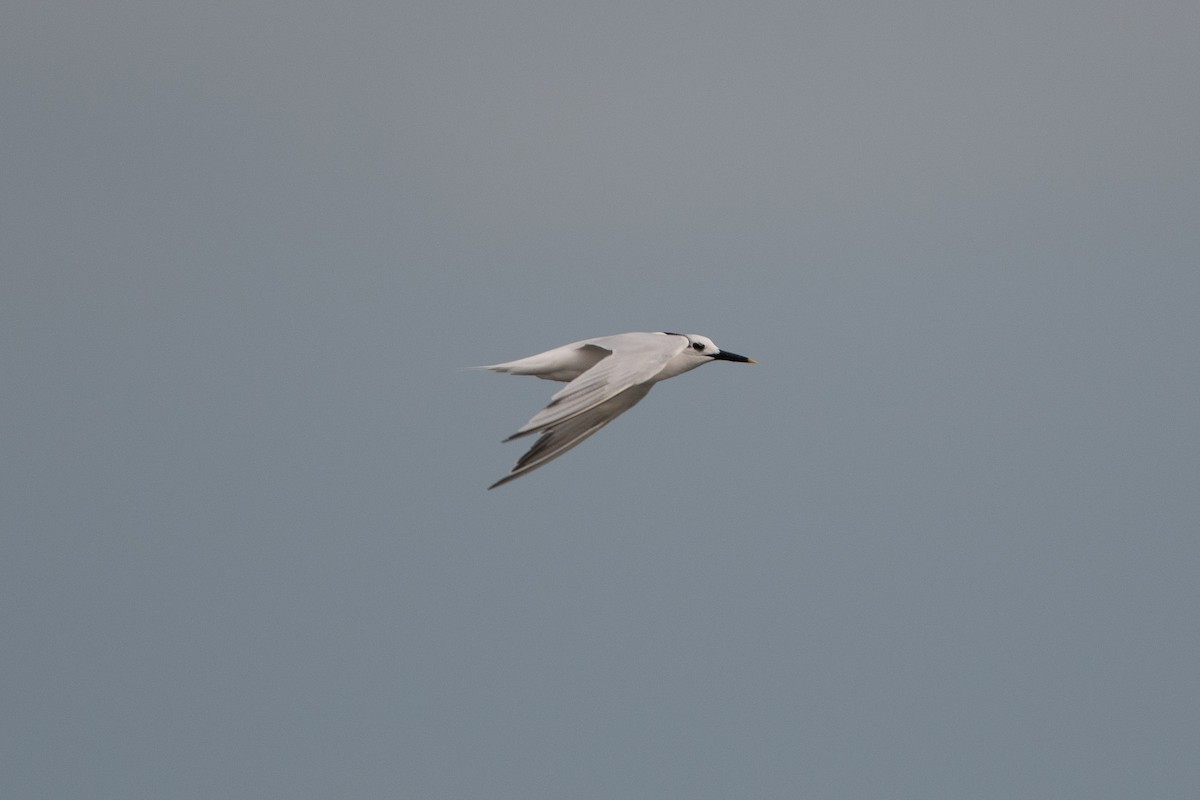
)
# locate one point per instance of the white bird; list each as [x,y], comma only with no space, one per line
[607,376]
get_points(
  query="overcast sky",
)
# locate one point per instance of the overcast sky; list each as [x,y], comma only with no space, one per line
[942,542]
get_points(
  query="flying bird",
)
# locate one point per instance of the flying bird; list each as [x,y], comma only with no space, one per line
[606,377]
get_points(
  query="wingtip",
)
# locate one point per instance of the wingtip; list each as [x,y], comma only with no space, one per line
[501,482]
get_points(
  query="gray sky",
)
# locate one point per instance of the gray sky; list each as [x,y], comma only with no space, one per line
[941,543]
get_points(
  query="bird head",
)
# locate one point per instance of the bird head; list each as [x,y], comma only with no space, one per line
[705,348]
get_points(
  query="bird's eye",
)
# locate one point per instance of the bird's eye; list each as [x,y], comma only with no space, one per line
[697,346]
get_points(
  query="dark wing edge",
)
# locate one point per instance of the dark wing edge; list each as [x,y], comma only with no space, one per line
[567,434]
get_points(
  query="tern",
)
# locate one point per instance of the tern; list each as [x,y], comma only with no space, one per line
[606,377]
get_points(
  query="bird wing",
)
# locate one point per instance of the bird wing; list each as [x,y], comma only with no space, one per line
[564,363]
[636,358]
[565,435]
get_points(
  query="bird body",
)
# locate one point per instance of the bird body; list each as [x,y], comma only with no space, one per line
[606,376]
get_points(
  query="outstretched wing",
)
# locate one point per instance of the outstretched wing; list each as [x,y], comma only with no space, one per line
[582,424]
[635,359]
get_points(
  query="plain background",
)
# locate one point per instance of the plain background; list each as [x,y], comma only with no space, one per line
[940,543]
